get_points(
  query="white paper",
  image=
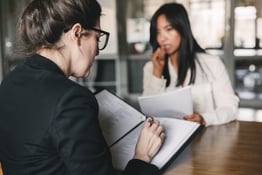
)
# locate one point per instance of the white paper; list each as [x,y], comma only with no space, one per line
[115,116]
[177,133]
[175,104]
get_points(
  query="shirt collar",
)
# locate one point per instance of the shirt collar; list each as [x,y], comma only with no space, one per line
[42,62]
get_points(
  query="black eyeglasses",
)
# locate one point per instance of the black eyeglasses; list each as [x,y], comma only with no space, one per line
[103,38]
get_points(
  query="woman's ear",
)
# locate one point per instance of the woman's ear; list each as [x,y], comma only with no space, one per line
[75,33]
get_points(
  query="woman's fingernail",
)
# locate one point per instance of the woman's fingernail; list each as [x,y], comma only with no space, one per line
[150,120]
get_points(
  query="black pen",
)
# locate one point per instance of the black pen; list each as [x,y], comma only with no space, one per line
[150,120]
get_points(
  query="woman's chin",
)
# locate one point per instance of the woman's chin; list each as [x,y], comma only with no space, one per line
[86,74]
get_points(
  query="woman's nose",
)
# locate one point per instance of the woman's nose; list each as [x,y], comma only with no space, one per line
[162,37]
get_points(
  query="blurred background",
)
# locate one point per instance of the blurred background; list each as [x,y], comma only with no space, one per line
[231,29]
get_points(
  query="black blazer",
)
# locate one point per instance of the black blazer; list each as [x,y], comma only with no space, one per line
[49,125]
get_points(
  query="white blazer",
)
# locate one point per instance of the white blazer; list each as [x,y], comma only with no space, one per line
[212,93]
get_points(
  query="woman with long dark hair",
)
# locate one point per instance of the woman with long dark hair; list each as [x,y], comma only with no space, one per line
[178,61]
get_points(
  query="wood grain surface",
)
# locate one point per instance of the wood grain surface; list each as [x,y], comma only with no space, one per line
[231,149]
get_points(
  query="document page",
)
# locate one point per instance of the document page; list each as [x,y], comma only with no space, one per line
[177,133]
[116,117]
[123,151]
[175,104]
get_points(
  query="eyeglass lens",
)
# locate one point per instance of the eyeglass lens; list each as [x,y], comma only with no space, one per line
[102,42]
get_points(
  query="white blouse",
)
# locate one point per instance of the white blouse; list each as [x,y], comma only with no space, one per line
[212,93]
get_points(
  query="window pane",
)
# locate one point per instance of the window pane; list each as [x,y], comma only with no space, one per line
[208,22]
[245,27]
[11,10]
[248,78]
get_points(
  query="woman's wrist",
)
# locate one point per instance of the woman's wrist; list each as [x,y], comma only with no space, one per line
[144,158]
[157,73]
[202,120]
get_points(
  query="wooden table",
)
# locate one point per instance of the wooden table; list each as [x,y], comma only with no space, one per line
[231,149]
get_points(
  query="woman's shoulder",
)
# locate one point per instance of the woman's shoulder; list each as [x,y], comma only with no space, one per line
[207,58]
[60,86]
[148,65]
[211,64]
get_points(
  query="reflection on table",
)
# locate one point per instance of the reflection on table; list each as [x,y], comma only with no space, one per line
[234,149]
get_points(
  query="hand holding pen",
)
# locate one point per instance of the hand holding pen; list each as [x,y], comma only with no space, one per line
[150,140]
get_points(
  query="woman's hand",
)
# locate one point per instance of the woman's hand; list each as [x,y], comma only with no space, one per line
[158,59]
[195,118]
[150,140]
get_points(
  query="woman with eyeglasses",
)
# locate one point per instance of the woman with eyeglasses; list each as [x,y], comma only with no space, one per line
[48,123]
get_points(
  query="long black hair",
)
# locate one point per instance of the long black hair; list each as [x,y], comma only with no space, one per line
[177,16]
